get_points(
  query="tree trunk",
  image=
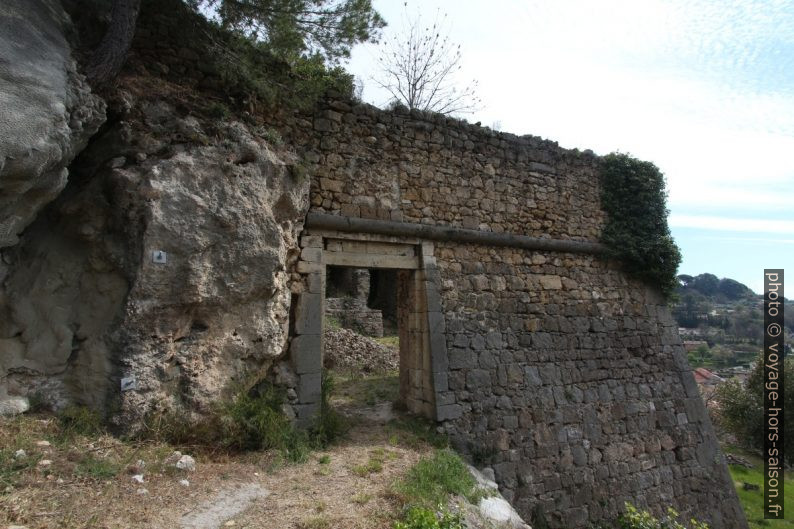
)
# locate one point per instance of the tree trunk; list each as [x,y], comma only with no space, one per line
[107,60]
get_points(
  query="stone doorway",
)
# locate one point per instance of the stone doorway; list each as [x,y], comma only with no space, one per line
[423,358]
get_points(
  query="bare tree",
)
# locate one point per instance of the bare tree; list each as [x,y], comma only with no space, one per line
[419,70]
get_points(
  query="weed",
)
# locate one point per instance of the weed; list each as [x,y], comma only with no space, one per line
[315,522]
[97,468]
[633,518]
[432,480]
[80,420]
[330,425]
[11,467]
[361,498]
[377,457]
[218,111]
[426,518]
[271,135]
[324,459]
[253,420]
[413,430]
[389,341]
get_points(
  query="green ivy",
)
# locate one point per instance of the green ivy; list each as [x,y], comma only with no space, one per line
[636,233]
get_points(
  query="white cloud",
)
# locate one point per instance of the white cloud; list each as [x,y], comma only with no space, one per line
[732,224]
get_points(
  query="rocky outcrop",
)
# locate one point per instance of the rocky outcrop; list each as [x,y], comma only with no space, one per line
[161,274]
[47,110]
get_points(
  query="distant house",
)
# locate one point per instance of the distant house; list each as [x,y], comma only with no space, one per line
[705,377]
[691,345]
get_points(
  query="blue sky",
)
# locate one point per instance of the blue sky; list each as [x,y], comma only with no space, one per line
[704,89]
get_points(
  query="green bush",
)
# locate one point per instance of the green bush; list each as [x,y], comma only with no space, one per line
[633,518]
[741,409]
[424,518]
[636,232]
[252,420]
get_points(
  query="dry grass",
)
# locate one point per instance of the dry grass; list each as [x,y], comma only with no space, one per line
[89,481]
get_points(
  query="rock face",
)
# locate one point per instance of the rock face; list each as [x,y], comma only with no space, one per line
[160,274]
[47,111]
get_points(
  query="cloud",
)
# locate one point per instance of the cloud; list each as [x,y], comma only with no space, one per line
[732,224]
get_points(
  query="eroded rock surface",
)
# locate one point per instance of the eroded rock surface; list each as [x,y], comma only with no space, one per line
[47,110]
[160,271]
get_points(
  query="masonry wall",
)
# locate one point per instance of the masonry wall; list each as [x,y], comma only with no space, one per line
[564,375]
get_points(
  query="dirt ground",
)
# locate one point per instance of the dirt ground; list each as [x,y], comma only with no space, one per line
[81,482]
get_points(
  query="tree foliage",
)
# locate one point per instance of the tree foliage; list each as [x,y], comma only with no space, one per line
[633,196]
[741,408]
[419,66]
[294,28]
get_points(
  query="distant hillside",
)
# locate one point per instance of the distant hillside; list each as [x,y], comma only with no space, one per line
[718,290]
[724,313]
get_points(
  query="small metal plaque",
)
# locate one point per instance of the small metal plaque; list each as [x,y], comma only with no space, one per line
[128,384]
[159,257]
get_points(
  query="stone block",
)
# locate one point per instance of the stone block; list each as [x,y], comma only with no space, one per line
[308,314]
[306,414]
[311,241]
[309,388]
[448,412]
[550,282]
[312,255]
[315,283]
[306,353]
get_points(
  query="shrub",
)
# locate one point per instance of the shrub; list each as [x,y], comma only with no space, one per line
[633,518]
[424,518]
[252,420]
[636,232]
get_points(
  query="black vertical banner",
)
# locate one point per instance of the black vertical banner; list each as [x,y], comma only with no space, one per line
[773,394]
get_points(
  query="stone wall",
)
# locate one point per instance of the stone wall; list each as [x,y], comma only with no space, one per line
[564,375]
[353,314]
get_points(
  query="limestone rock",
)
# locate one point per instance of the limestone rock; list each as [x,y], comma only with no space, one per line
[170,273]
[13,405]
[47,110]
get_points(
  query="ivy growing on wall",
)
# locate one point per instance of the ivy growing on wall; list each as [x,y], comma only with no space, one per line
[636,233]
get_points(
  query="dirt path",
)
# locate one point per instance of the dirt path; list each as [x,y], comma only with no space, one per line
[346,486]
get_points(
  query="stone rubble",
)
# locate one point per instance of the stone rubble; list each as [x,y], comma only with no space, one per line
[347,350]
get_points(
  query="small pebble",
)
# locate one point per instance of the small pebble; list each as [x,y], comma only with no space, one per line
[230,523]
[43,444]
[20,454]
[142,491]
[138,478]
[45,463]
[184,482]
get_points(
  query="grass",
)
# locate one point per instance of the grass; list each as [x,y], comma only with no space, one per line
[98,468]
[374,465]
[352,389]
[753,500]
[389,341]
[253,420]
[414,431]
[433,480]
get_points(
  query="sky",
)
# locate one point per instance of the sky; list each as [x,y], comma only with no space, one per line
[704,89]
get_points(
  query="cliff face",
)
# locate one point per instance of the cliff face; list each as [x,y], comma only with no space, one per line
[47,110]
[160,271]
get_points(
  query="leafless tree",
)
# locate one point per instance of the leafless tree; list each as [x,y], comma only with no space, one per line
[419,67]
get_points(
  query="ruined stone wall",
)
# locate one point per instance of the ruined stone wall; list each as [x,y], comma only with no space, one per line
[564,375]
